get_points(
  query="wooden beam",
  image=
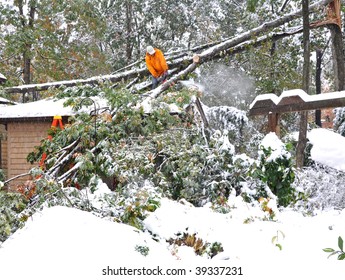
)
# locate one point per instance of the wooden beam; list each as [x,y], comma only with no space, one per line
[273,123]
[296,103]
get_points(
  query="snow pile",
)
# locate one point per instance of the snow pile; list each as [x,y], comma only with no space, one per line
[328,148]
[65,243]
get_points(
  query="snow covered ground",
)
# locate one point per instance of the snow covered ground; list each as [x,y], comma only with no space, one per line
[66,243]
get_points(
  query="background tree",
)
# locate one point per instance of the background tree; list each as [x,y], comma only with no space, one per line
[82,38]
[50,40]
[302,136]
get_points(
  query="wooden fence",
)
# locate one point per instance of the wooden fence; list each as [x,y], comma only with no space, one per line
[293,101]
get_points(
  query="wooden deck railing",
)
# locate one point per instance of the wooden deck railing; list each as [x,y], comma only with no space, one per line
[293,101]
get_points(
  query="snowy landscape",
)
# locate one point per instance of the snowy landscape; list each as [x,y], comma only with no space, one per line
[66,243]
[180,181]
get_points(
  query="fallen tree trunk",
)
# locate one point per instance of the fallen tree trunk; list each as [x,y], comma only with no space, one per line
[211,52]
[207,54]
[226,46]
[137,87]
[91,81]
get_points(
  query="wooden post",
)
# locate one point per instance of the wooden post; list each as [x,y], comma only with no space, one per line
[319,55]
[273,123]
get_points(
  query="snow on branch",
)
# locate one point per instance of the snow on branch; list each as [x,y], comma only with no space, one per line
[178,61]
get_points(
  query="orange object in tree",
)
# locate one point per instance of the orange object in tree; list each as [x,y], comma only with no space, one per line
[57,121]
[156,63]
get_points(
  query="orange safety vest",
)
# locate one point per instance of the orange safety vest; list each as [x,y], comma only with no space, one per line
[156,63]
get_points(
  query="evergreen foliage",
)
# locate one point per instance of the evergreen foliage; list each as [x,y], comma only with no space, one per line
[79,39]
[11,207]
[339,121]
[278,173]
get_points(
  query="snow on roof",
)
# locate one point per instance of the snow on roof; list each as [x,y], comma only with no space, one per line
[43,108]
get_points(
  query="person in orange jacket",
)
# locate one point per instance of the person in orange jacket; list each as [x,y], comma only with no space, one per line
[157,65]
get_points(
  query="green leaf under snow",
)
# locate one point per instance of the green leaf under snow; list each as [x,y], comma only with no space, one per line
[341,256]
[328,250]
[340,243]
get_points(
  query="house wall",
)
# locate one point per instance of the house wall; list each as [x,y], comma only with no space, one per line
[3,148]
[22,137]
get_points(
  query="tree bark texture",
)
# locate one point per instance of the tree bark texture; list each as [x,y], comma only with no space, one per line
[318,83]
[338,57]
[302,136]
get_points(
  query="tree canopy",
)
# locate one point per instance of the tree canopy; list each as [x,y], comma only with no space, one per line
[44,41]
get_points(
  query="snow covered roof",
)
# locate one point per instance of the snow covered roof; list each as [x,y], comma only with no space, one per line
[43,108]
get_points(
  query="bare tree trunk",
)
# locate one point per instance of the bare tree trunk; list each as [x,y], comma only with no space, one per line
[302,137]
[318,83]
[27,66]
[28,45]
[128,6]
[27,52]
[338,56]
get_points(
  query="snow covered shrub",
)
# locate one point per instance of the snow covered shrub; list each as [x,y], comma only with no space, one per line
[228,119]
[322,186]
[276,169]
[137,207]
[192,167]
[242,132]
[339,121]
[11,206]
